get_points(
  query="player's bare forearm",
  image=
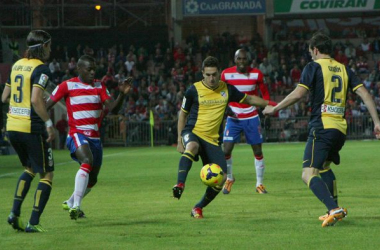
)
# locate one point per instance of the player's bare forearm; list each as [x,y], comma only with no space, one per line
[370,104]
[49,104]
[255,101]
[292,98]
[6,94]
[181,124]
[39,104]
[114,105]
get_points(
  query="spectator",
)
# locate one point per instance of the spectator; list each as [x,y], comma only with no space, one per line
[341,57]
[129,65]
[362,65]
[55,69]
[266,67]
[66,76]
[62,126]
[295,74]
[350,52]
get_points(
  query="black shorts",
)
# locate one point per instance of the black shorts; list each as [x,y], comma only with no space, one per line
[208,152]
[323,145]
[33,151]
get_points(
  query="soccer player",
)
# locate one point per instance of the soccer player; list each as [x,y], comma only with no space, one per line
[244,118]
[30,129]
[328,82]
[85,97]
[200,127]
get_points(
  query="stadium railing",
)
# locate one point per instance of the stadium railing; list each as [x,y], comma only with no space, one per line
[117,131]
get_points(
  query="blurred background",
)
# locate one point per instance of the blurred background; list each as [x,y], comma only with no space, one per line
[161,44]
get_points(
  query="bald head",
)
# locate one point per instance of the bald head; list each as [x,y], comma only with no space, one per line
[242,60]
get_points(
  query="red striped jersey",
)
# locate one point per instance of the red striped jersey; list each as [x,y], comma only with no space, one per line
[248,83]
[84,104]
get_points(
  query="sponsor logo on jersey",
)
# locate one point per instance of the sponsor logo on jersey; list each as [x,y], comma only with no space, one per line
[19,111]
[222,93]
[328,109]
[186,137]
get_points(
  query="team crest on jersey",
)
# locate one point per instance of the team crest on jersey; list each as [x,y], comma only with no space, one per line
[222,93]
[43,80]
[186,138]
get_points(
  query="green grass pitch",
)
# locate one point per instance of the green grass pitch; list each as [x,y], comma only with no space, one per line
[131,207]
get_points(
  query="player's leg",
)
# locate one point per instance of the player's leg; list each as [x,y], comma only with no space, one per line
[24,181]
[228,147]
[328,177]
[85,157]
[231,135]
[315,155]
[210,154]
[42,162]
[191,146]
[252,131]
[81,152]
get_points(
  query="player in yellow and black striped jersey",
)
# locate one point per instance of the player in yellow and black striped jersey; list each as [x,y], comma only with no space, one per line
[328,82]
[200,126]
[29,127]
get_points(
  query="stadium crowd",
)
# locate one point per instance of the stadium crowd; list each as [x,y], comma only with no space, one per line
[162,73]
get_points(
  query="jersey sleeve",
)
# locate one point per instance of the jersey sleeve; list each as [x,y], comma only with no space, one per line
[235,95]
[263,88]
[188,99]
[104,94]
[308,74]
[59,92]
[354,82]
[40,76]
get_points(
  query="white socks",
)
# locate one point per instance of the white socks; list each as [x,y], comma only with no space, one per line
[70,201]
[229,169]
[81,181]
[260,167]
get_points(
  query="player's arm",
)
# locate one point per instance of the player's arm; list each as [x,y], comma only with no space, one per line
[290,99]
[112,105]
[182,118]
[255,101]
[370,104]
[39,107]
[6,94]
[39,80]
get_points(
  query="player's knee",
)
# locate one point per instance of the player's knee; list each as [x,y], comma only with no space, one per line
[48,176]
[86,167]
[193,147]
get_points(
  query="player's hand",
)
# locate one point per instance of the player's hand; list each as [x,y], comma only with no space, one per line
[180,147]
[51,134]
[269,110]
[377,131]
[126,85]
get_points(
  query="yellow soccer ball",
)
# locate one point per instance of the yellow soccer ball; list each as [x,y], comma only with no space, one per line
[211,175]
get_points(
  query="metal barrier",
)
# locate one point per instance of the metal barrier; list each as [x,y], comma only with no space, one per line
[117,131]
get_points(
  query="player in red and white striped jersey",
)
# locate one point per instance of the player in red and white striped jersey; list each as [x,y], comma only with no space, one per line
[244,118]
[85,97]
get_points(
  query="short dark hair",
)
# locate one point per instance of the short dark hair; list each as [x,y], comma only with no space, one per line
[35,41]
[210,61]
[322,42]
[87,58]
